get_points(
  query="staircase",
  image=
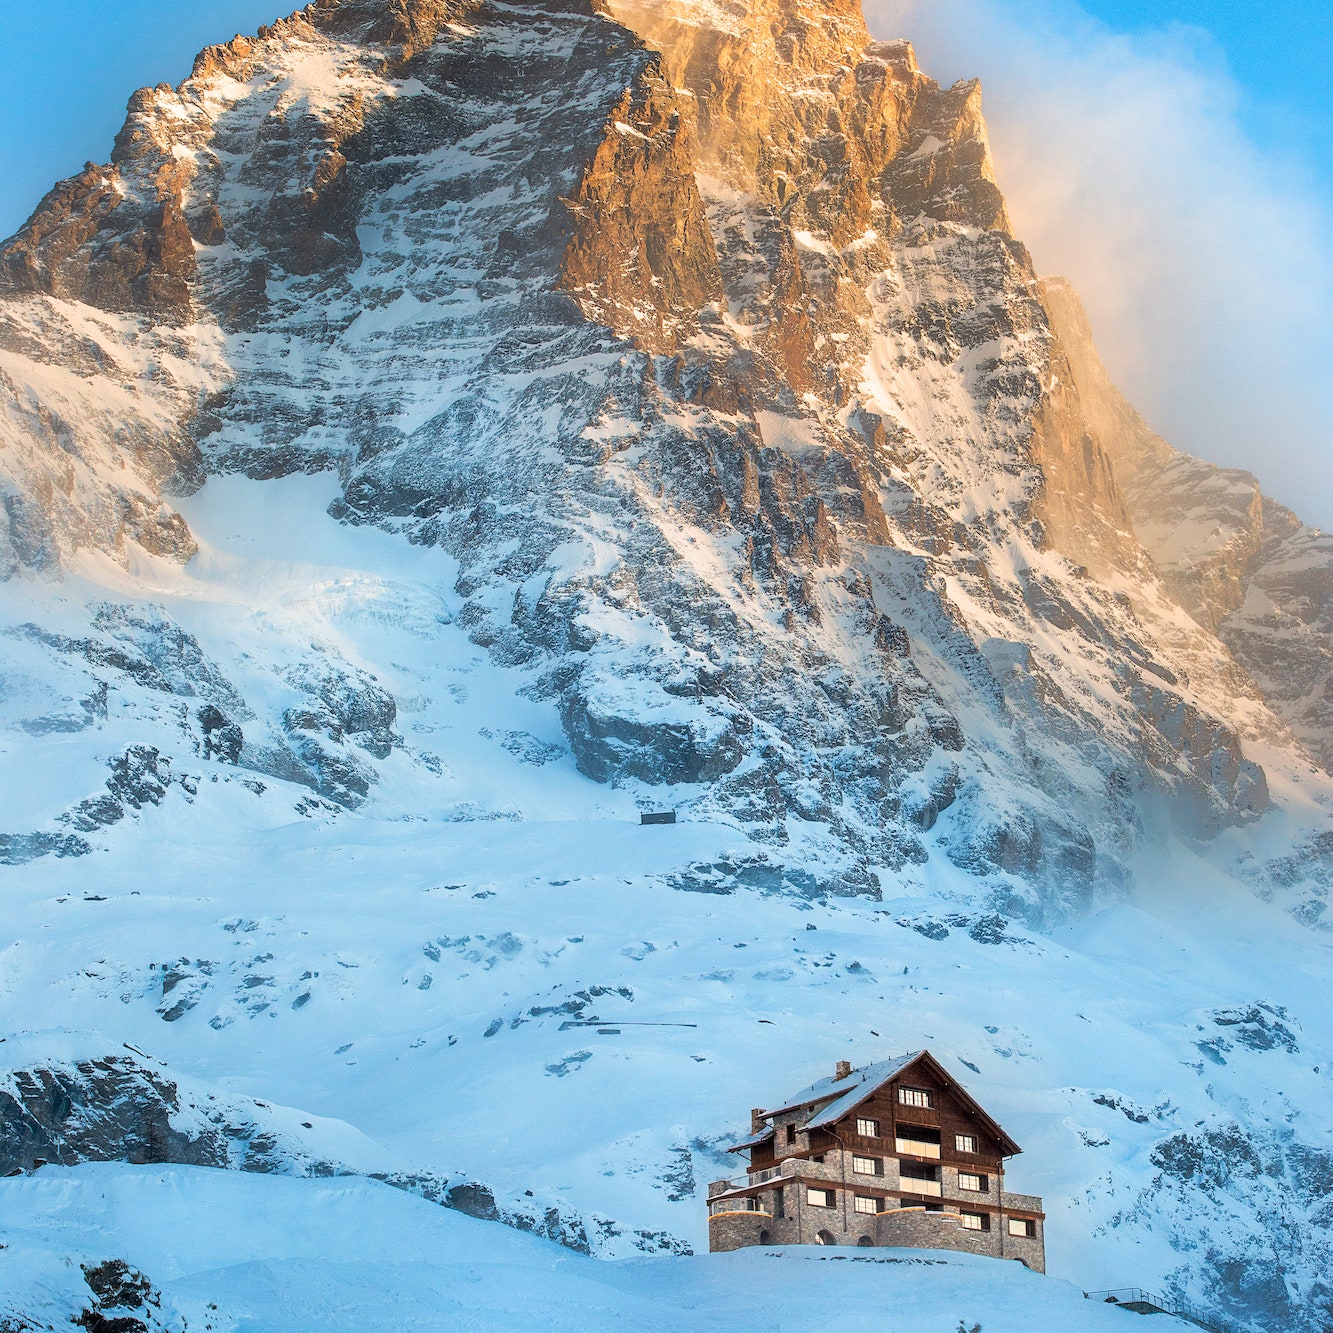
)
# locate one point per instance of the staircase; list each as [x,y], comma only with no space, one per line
[1149,1302]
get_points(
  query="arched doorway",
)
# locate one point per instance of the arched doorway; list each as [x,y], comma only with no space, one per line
[865,1241]
[765,1237]
[825,1238]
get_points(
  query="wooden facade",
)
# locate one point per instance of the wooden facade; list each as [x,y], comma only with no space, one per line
[895,1154]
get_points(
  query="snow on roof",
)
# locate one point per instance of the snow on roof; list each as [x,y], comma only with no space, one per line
[857,1086]
[753,1141]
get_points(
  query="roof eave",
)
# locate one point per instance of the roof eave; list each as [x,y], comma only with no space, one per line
[796,1106]
[869,1089]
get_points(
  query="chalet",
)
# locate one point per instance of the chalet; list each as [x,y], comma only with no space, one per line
[894,1154]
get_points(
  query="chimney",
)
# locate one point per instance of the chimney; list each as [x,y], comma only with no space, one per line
[756,1119]
[843,1069]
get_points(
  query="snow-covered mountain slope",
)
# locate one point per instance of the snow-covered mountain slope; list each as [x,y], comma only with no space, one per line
[450,428]
[283,1255]
[472,967]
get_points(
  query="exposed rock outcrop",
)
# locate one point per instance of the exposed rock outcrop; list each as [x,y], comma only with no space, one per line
[80,1102]
[640,257]
[1235,1167]
[87,242]
[678,367]
[1245,567]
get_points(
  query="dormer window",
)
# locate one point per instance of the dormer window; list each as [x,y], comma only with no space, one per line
[915,1097]
[791,1133]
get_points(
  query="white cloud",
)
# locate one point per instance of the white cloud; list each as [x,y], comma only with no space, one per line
[1206,265]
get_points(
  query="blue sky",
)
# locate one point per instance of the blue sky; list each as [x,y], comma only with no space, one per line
[67,70]
[1174,158]
[1278,52]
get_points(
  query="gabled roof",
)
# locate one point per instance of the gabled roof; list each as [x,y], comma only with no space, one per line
[846,1094]
[876,1076]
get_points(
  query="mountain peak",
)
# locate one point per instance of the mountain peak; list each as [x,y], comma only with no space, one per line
[581,409]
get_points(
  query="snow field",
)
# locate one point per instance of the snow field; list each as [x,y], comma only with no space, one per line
[264,1254]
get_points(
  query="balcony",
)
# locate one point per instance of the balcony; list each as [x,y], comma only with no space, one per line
[930,1188]
[729,1204]
[917,1147]
[788,1169]
[793,1167]
[918,1115]
[736,1186]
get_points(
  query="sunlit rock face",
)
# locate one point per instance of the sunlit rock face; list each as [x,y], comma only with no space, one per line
[1245,567]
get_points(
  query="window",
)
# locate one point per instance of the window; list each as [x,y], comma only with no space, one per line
[1022,1226]
[749,1204]
[965,1142]
[867,1166]
[868,1129]
[969,1180]
[915,1097]
[791,1133]
[976,1222]
[819,1198]
[866,1204]
[779,1203]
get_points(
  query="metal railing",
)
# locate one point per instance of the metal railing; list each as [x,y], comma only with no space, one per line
[719,1187]
[735,1183]
[805,1167]
[728,1203]
[1139,1301]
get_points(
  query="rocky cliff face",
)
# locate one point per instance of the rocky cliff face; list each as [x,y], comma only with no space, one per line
[688,349]
[672,316]
[1243,566]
